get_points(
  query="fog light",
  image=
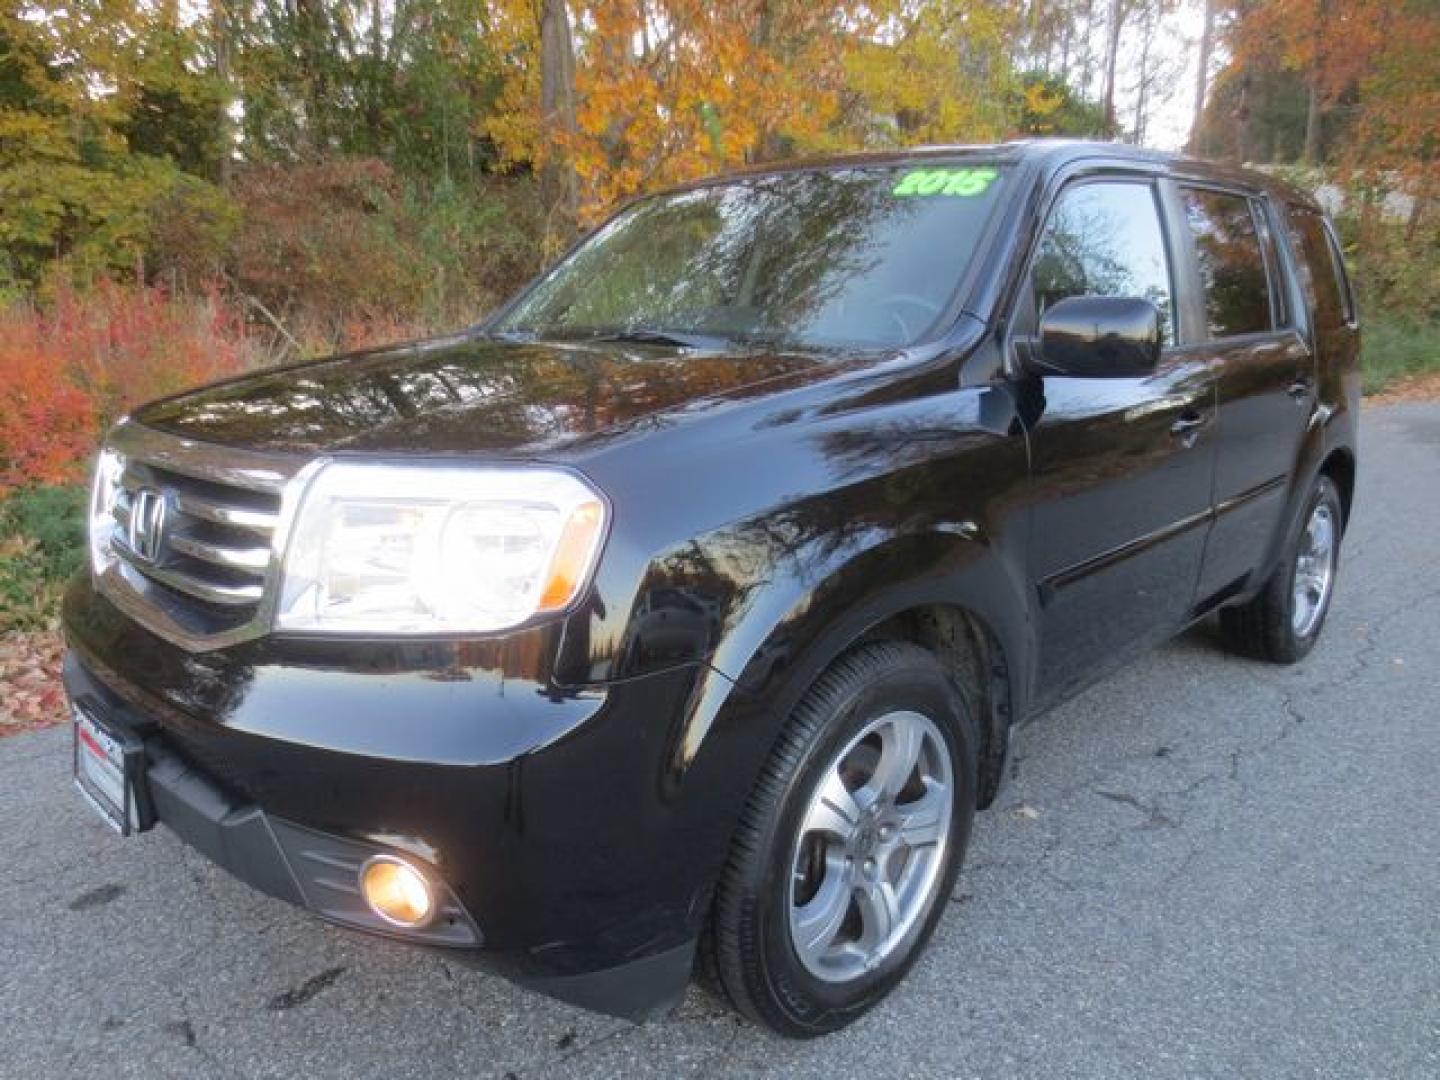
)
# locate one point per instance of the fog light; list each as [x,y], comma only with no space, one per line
[397,892]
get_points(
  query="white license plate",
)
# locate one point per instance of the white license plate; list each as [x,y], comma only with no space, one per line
[100,773]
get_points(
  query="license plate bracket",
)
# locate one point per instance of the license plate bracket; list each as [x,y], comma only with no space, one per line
[109,770]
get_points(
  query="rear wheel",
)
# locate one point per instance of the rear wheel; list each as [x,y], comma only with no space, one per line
[849,844]
[1284,621]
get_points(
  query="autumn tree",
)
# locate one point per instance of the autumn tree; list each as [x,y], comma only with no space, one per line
[559,185]
[665,90]
[1203,54]
[104,106]
[1328,44]
[934,72]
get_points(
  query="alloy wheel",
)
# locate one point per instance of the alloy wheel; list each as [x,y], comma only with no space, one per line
[1314,570]
[871,847]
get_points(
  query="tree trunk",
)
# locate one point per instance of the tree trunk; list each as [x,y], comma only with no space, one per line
[1142,93]
[221,31]
[1418,207]
[770,145]
[559,186]
[1086,50]
[1202,76]
[1312,125]
[1313,118]
[1242,122]
[1112,57]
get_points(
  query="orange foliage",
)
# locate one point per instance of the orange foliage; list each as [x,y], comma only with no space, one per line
[70,368]
[668,90]
[1373,59]
[1332,42]
[47,423]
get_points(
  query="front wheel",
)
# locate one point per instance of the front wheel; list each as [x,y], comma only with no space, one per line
[1284,621]
[849,844]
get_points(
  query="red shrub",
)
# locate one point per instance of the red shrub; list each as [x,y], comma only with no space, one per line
[77,364]
[47,423]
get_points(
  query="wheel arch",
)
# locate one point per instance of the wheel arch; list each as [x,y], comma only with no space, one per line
[957,596]
[1339,466]
[975,659]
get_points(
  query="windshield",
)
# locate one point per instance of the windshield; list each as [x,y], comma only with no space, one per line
[865,257]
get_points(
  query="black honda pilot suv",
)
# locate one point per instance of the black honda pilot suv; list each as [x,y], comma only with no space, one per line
[679,615]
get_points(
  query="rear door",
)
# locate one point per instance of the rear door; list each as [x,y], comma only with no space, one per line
[1265,376]
[1121,466]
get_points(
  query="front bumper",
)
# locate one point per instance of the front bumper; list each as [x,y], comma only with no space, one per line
[303,866]
[569,867]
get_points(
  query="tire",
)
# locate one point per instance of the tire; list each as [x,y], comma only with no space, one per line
[1278,625]
[787,863]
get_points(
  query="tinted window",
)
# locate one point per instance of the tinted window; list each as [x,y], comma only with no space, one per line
[868,257]
[1321,275]
[1104,240]
[1232,270]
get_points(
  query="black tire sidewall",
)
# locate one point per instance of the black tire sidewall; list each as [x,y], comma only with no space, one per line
[809,1003]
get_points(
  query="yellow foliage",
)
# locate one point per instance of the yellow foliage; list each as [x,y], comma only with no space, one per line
[1041,102]
[934,72]
[668,90]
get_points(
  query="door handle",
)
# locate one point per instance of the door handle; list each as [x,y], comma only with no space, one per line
[1300,389]
[1187,427]
[1189,420]
[1289,350]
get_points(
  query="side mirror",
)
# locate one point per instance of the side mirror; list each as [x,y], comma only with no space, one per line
[1099,337]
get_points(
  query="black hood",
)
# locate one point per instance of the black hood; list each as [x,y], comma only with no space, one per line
[471,394]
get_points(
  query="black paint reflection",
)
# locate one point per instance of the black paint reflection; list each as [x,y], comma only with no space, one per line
[464,395]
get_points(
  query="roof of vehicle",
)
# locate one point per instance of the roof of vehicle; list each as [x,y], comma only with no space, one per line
[1047,155]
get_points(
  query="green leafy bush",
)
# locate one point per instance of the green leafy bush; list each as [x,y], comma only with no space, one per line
[336,247]
[42,542]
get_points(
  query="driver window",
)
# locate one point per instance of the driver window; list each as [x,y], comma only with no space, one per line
[1102,239]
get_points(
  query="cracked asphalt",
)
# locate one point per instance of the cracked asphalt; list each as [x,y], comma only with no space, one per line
[1201,867]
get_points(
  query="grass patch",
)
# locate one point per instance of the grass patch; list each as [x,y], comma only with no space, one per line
[1395,349]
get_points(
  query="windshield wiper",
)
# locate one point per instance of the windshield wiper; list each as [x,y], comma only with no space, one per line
[519,336]
[645,335]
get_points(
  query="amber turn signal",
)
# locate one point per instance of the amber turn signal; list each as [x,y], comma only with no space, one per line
[578,542]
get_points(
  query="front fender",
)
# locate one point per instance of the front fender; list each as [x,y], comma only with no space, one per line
[789,632]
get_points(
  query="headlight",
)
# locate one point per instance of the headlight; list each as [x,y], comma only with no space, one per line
[406,549]
[104,490]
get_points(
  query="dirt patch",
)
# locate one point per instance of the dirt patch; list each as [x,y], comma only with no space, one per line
[1424,387]
[30,692]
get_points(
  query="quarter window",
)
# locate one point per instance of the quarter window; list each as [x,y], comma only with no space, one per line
[1104,239]
[1321,274]
[1232,268]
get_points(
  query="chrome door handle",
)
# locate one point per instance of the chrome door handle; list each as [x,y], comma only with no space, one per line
[1300,390]
[1188,421]
[1187,427]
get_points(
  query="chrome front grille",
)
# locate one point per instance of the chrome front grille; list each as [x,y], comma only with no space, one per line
[197,536]
[215,542]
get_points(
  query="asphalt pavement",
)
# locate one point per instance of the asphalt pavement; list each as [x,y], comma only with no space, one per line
[1202,867]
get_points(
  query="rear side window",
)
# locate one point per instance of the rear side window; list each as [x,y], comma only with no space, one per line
[1322,275]
[1104,239]
[1232,267]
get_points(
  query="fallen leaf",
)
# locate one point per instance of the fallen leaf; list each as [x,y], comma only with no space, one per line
[31,695]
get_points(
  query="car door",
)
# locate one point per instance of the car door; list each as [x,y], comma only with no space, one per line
[1265,375]
[1121,467]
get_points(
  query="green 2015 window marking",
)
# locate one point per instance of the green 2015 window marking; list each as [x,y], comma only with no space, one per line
[963,182]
